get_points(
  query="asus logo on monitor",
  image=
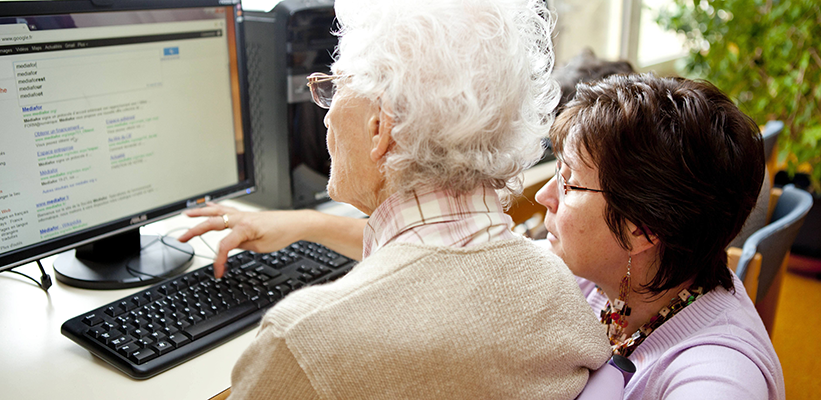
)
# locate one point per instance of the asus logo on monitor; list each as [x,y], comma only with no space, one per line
[141,218]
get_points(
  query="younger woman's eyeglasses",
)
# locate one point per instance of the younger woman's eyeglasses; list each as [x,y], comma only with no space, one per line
[563,187]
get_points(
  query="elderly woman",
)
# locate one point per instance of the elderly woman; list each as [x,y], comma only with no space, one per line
[655,177]
[435,107]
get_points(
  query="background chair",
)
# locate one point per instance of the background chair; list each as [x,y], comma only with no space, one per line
[770,133]
[762,261]
[758,217]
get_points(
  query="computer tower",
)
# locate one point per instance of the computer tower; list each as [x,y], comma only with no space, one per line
[283,46]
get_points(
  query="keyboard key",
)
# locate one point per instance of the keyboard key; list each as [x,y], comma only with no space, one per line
[167,289]
[128,349]
[275,281]
[139,332]
[282,289]
[107,337]
[119,341]
[162,347]
[249,266]
[266,270]
[136,301]
[143,355]
[199,276]
[178,340]
[203,314]
[92,319]
[338,262]
[234,313]
[95,331]
[156,336]
[169,330]
[261,301]
[244,257]
[144,343]
[181,325]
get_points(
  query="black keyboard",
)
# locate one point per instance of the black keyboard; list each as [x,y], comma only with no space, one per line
[176,320]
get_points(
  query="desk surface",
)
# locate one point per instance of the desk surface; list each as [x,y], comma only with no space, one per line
[38,362]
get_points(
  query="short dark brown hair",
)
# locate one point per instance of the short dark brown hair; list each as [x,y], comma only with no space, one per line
[676,158]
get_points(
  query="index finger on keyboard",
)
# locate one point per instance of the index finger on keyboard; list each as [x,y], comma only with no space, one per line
[228,243]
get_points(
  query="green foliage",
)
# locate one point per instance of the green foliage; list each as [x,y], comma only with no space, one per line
[765,55]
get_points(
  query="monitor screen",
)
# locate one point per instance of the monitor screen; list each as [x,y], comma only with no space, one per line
[112,119]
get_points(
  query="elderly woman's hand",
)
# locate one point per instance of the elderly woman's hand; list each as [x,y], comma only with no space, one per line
[262,232]
[268,231]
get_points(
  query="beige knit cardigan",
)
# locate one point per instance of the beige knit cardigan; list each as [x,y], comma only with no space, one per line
[504,320]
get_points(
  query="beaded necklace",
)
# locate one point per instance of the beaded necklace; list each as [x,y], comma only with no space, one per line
[623,345]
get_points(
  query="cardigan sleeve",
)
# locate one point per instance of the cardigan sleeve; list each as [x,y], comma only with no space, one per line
[267,369]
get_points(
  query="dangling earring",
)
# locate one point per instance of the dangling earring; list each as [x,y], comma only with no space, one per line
[617,320]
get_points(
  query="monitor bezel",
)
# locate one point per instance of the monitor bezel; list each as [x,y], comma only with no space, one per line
[134,221]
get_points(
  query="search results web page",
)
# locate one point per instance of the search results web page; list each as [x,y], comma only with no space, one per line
[98,124]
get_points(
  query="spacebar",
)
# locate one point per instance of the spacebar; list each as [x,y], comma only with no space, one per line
[218,321]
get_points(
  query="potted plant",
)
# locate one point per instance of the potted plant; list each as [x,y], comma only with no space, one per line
[765,54]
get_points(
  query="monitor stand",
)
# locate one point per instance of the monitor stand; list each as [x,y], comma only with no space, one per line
[123,261]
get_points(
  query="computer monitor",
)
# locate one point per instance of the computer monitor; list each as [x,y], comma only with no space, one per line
[116,114]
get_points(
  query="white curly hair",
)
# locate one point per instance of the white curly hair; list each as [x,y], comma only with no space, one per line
[466,81]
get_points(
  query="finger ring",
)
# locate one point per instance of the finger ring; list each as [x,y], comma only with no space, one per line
[225,220]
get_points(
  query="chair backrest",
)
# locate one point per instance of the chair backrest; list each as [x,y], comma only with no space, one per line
[774,240]
[759,215]
[770,135]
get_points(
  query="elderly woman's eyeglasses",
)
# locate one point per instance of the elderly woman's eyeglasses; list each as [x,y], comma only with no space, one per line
[323,88]
[563,187]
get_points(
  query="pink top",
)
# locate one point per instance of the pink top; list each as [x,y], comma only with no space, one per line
[438,218]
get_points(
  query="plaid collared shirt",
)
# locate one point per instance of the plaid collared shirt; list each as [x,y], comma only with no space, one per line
[435,217]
